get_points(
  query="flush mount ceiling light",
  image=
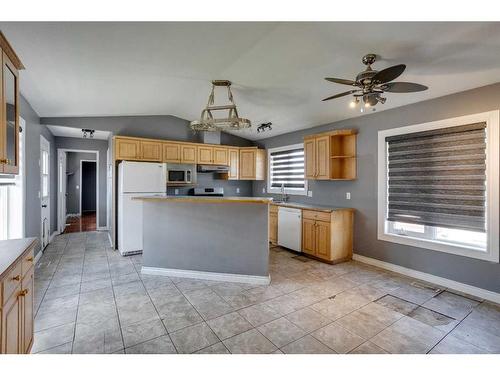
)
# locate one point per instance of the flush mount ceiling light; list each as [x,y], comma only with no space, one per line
[208,122]
[89,132]
[371,84]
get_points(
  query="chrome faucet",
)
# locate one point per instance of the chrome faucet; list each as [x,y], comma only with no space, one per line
[284,196]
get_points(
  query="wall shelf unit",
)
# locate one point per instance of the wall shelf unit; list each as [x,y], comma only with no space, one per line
[331,155]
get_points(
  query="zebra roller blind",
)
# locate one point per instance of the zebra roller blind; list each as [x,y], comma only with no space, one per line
[438,177]
[287,167]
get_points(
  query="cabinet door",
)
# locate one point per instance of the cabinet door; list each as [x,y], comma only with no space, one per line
[127,149]
[308,236]
[10,118]
[27,310]
[11,325]
[205,155]
[310,158]
[273,227]
[188,154]
[323,157]
[234,161]
[171,153]
[151,150]
[247,164]
[220,156]
[323,240]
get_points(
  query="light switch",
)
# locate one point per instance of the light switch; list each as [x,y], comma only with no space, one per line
[309,193]
[263,190]
[77,187]
[176,191]
[348,195]
[237,190]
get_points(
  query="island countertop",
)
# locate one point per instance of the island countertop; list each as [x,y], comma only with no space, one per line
[10,250]
[203,199]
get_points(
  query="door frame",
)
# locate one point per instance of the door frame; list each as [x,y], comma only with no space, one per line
[96,185]
[66,150]
[44,140]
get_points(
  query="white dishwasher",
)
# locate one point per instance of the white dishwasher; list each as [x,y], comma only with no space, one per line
[290,228]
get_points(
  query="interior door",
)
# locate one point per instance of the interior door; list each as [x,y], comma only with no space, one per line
[45,191]
[61,196]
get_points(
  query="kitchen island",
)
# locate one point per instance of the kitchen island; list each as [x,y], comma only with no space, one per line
[211,238]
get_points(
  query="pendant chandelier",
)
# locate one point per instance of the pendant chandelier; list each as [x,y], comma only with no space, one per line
[208,122]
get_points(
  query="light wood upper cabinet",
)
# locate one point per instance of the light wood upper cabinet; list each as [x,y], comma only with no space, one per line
[234,164]
[9,108]
[205,154]
[322,145]
[127,149]
[310,158]
[171,152]
[188,154]
[221,156]
[252,163]
[331,155]
[151,151]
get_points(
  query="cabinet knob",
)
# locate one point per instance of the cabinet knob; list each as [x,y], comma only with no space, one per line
[23,292]
[3,161]
[16,278]
[29,259]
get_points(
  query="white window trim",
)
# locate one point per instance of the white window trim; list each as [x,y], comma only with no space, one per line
[492,181]
[271,190]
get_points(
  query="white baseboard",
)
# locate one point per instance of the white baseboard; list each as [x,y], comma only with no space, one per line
[461,287]
[102,229]
[110,240]
[54,233]
[72,215]
[214,276]
[38,256]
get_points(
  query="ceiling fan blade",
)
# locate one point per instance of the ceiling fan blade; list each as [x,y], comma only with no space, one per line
[389,74]
[340,95]
[403,87]
[342,81]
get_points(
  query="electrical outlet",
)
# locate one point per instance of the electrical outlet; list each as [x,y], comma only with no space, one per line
[176,191]
[348,195]
[237,190]
[263,190]
[309,193]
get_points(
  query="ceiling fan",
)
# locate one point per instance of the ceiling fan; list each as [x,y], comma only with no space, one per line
[371,84]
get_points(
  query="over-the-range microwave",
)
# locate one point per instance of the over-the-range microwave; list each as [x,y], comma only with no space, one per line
[181,174]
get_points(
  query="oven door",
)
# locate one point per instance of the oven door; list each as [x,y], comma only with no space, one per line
[177,176]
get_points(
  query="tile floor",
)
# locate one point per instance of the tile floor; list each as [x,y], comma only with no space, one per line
[89,299]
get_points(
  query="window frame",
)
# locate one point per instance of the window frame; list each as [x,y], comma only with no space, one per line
[288,191]
[492,188]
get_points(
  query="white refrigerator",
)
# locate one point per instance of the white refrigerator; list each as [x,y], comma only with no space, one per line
[136,179]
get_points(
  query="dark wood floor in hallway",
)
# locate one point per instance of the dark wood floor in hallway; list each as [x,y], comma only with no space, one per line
[84,223]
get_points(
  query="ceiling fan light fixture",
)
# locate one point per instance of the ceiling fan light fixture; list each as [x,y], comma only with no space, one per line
[208,122]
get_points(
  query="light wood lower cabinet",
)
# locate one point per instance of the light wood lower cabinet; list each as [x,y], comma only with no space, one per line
[17,305]
[328,236]
[273,224]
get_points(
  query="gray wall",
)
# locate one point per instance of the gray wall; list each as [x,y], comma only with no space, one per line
[73,179]
[32,212]
[92,145]
[479,273]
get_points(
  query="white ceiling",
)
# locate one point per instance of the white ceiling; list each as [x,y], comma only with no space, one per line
[277,69]
[63,131]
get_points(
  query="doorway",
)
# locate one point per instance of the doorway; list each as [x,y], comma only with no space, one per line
[78,190]
[45,190]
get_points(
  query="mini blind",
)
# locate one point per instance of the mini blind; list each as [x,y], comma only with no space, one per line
[287,167]
[438,177]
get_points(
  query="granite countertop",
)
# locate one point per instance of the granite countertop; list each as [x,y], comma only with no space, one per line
[10,250]
[314,207]
[202,199]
